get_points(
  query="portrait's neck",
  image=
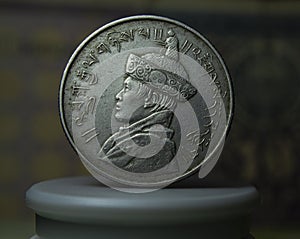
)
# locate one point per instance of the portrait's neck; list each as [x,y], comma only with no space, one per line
[140,114]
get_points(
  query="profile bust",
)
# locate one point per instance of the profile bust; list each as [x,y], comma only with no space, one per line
[153,86]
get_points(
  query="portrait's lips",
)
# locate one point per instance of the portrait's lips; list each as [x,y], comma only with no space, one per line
[118,107]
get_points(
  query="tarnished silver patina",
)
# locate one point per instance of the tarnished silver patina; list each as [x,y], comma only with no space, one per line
[145,101]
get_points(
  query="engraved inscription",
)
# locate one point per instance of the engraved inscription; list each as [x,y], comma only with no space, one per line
[196,138]
[102,48]
[77,105]
[187,155]
[186,46]
[115,38]
[127,35]
[196,52]
[90,59]
[86,76]
[206,62]
[145,32]
[158,35]
[89,135]
[84,107]
[78,90]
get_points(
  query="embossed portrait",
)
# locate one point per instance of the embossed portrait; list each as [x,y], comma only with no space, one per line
[153,85]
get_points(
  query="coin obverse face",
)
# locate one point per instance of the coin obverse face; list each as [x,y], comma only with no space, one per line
[145,101]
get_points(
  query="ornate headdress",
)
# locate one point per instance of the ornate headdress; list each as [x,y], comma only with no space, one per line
[162,73]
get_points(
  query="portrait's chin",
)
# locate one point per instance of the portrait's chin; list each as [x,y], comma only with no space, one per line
[119,117]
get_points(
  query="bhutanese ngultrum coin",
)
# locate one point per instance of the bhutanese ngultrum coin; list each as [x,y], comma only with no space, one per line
[145,101]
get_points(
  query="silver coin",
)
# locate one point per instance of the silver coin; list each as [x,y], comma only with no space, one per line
[145,101]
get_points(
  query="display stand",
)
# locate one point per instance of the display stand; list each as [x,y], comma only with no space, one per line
[81,207]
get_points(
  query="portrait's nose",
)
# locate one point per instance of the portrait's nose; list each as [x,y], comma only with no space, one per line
[119,95]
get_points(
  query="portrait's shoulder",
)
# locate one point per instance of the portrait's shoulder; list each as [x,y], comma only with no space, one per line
[140,138]
[143,139]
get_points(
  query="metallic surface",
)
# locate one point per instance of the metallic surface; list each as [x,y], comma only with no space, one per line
[93,112]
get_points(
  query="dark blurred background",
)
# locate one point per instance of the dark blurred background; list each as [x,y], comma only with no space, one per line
[259,41]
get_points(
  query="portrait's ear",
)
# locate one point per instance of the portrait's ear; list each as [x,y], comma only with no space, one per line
[149,100]
[148,103]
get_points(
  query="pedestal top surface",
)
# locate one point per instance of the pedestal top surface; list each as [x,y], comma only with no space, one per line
[83,199]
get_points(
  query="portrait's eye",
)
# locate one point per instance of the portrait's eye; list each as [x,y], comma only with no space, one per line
[126,87]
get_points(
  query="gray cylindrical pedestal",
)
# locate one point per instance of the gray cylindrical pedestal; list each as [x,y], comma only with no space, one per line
[82,208]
